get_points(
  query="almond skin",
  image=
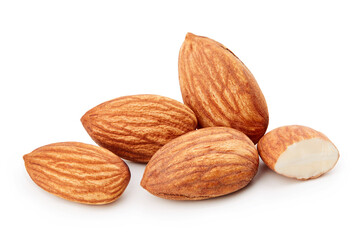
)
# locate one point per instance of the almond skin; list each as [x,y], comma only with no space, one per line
[135,127]
[220,89]
[202,164]
[298,152]
[78,172]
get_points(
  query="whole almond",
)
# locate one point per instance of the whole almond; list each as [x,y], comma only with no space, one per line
[78,172]
[298,152]
[135,127]
[220,89]
[202,164]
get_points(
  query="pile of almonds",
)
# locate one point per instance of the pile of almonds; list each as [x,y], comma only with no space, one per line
[201,149]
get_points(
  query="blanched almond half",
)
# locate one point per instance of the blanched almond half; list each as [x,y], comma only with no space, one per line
[298,152]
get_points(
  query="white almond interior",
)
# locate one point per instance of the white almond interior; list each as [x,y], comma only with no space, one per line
[307,159]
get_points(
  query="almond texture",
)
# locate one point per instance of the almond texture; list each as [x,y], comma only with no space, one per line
[202,164]
[78,172]
[298,152]
[220,89]
[135,127]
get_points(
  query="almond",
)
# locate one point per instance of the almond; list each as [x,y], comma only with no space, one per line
[220,89]
[202,164]
[78,172]
[298,152]
[135,127]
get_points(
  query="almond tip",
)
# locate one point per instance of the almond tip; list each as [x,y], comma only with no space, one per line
[190,36]
[25,157]
[143,184]
[83,119]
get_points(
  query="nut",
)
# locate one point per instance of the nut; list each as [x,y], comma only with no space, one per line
[220,89]
[202,164]
[135,127]
[78,172]
[298,152]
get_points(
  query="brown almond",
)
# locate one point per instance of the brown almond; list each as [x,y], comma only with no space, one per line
[135,127]
[78,172]
[298,152]
[202,164]
[220,89]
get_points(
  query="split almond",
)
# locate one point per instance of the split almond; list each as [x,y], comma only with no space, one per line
[202,164]
[135,127]
[298,152]
[78,172]
[220,89]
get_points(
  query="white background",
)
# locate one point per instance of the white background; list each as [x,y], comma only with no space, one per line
[58,59]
